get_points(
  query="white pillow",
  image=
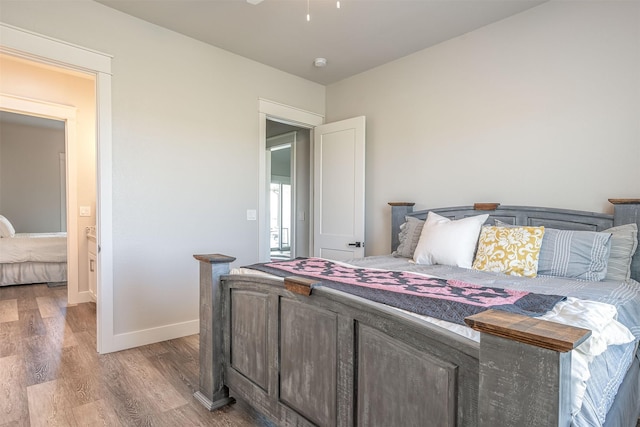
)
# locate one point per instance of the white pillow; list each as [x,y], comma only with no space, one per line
[448,242]
[6,229]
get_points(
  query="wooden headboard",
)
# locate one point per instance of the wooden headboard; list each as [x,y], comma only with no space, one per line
[625,211]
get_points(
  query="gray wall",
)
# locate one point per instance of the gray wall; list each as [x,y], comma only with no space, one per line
[281,163]
[30,187]
[541,108]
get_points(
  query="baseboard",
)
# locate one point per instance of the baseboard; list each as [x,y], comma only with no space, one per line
[153,335]
[80,297]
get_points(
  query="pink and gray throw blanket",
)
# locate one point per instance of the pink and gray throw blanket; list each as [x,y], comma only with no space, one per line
[450,300]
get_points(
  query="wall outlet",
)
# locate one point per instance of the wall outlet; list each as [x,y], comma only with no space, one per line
[252,214]
[85,210]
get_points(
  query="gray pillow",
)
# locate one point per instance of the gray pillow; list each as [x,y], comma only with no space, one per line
[624,242]
[409,236]
[574,254]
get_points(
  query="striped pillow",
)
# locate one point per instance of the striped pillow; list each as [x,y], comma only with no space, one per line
[624,241]
[575,254]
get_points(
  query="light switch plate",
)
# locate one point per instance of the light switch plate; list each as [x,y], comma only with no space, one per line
[85,210]
[252,214]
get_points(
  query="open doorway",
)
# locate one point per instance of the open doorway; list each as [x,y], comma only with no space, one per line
[280,200]
[288,177]
[344,139]
[49,181]
[75,60]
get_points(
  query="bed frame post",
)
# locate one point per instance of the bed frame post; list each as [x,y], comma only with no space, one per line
[627,211]
[213,394]
[525,369]
[398,211]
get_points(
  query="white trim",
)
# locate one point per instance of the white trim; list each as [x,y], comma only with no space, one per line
[154,335]
[288,114]
[104,217]
[289,140]
[293,158]
[67,114]
[37,47]
[62,158]
[279,179]
[41,48]
[284,140]
[283,113]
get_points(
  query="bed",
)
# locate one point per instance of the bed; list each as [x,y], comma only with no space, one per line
[27,258]
[304,350]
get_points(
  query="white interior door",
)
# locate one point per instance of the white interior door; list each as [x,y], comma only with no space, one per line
[339,155]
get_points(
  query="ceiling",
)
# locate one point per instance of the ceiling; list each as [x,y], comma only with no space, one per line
[360,35]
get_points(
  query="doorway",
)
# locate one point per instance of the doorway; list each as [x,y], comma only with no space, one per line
[47,51]
[287,165]
[30,109]
[349,135]
[280,199]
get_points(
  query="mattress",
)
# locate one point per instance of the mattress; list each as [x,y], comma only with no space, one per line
[34,247]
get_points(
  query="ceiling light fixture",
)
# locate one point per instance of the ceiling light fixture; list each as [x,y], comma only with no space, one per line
[320,62]
[255,2]
[308,8]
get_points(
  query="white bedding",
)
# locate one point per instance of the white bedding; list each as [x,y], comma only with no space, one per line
[34,247]
[24,273]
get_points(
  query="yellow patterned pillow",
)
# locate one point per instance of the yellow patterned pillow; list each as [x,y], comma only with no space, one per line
[509,250]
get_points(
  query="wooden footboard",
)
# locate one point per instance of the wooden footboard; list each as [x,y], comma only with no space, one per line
[314,356]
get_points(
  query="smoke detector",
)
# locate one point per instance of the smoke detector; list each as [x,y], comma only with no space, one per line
[320,62]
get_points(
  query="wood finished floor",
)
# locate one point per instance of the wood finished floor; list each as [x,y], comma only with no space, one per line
[51,375]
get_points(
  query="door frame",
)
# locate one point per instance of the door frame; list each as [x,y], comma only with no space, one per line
[39,48]
[62,157]
[66,114]
[270,110]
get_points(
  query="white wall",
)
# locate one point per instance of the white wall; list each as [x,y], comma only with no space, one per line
[542,108]
[185,133]
[30,176]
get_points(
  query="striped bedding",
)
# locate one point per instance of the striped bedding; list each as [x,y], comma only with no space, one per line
[604,373]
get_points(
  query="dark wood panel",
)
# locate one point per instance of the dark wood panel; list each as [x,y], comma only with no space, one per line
[523,372]
[308,350]
[249,335]
[528,330]
[401,386]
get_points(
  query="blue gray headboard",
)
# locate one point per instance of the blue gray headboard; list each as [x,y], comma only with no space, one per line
[625,211]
